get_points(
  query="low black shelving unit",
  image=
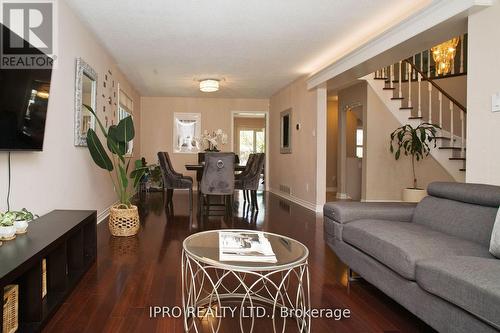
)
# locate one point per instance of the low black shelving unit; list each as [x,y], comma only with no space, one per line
[67,239]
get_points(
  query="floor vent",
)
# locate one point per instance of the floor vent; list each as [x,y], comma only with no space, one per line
[285,189]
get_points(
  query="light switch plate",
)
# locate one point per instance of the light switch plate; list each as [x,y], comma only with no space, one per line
[495,102]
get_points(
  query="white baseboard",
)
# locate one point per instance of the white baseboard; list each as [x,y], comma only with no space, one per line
[298,201]
[105,213]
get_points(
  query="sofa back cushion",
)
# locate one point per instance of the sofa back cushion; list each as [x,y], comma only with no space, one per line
[467,211]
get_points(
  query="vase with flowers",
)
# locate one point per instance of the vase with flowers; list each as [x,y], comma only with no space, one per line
[213,140]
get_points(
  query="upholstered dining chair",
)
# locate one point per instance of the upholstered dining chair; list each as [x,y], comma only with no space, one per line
[173,180]
[251,180]
[248,167]
[217,180]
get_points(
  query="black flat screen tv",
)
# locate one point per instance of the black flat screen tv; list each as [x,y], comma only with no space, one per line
[24,97]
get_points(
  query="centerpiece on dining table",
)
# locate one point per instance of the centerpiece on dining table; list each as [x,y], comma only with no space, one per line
[211,141]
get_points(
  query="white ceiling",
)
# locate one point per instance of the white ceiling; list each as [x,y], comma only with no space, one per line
[255,46]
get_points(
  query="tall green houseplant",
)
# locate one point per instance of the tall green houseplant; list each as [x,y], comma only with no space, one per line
[117,137]
[414,142]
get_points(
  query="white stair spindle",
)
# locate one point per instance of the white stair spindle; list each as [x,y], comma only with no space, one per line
[421,61]
[413,74]
[430,102]
[409,85]
[462,123]
[419,78]
[440,98]
[451,125]
[400,94]
[392,77]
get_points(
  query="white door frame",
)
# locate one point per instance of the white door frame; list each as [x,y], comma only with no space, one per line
[266,113]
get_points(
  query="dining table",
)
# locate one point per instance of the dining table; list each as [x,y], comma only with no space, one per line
[200,166]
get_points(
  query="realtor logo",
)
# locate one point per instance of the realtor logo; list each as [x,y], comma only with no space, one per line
[28,38]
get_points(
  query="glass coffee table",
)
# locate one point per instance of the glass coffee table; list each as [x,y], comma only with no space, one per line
[213,290]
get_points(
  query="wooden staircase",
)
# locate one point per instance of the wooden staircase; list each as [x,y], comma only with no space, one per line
[401,87]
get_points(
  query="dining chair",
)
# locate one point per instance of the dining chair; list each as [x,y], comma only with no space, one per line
[217,180]
[251,180]
[173,180]
[248,167]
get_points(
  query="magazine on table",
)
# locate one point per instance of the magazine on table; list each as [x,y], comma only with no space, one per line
[250,246]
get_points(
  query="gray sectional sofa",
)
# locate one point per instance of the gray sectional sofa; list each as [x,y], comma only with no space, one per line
[432,257]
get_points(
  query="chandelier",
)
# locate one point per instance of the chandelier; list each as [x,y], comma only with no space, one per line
[443,55]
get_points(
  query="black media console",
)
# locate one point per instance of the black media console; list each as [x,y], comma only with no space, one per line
[67,239]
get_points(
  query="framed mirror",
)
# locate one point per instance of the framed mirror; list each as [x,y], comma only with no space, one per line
[85,93]
[187,129]
[286,132]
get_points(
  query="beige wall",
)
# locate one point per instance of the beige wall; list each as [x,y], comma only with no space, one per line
[157,122]
[241,123]
[64,176]
[298,169]
[483,126]
[384,177]
[331,144]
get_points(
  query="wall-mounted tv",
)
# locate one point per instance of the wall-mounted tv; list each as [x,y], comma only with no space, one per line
[24,97]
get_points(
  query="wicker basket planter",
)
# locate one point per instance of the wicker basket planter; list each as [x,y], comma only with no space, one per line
[123,221]
[10,308]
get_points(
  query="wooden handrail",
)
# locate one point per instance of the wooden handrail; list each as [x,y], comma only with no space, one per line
[453,100]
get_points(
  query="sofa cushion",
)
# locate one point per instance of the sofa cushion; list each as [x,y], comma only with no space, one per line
[459,219]
[346,211]
[469,282]
[478,194]
[401,245]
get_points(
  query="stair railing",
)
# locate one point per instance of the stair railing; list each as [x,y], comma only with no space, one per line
[453,102]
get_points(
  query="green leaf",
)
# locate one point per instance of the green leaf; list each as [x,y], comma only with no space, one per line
[101,126]
[97,151]
[125,130]
[139,173]
[114,144]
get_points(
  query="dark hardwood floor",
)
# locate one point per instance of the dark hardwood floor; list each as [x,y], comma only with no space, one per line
[134,273]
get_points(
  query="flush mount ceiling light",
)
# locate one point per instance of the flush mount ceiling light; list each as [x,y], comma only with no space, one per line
[209,85]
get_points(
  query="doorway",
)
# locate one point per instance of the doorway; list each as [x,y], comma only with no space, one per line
[249,131]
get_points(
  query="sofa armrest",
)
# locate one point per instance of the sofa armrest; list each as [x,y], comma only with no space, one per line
[347,211]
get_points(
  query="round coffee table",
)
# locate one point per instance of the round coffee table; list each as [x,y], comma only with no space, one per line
[278,291]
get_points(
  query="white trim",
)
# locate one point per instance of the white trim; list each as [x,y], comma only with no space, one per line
[105,213]
[298,201]
[436,13]
[248,114]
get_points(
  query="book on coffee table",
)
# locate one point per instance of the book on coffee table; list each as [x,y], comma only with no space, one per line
[251,246]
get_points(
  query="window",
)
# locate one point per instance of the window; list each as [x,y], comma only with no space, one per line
[125,109]
[251,141]
[359,143]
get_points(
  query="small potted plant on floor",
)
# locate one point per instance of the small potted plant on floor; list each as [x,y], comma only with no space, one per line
[22,218]
[7,229]
[123,217]
[415,143]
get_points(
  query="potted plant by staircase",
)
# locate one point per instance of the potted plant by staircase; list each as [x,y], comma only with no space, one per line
[123,217]
[415,143]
